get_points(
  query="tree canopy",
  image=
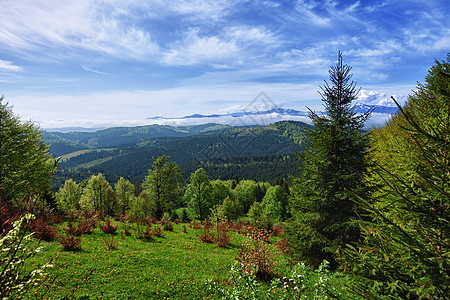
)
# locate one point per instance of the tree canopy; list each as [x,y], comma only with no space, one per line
[24,159]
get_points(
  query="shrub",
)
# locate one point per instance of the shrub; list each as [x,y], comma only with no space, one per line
[157,232]
[256,256]
[70,243]
[109,242]
[15,278]
[223,238]
[148,234]
[108,227]
[184,216]
[126,231]
[86,226]
[42,230]
[71,230]
[206,236]
[167,225]
[196,225]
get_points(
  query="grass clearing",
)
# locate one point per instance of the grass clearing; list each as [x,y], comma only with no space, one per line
[172,267]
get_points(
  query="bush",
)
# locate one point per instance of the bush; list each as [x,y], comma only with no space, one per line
[15,278]
[42,230]
[256,256]
[109,242]
[108,227]
[158,232]
[206,236]
[70,243]
[223,238]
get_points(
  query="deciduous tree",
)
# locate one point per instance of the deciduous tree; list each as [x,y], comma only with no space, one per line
[24,158]
[163,185]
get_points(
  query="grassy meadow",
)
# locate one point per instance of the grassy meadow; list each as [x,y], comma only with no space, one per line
[171,267]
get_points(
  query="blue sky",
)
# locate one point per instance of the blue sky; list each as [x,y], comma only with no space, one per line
[104,63]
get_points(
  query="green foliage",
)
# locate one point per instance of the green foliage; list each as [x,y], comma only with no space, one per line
[301,282]
[273,204]
[334,166]
[24,158]
[98,195]
[163,185]
[68,197]
[125,193]
[199,194]
[406,249]
[16,276]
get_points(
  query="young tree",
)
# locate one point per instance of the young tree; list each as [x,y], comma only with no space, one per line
[69,195]
[163,185]
[406,249]
[99,195]
[199,193]
[333,168]
[24,158]
[125,193]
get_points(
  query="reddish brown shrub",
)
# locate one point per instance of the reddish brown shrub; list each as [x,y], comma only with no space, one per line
[283,245]
[256,255]
[196,225]
[277,230]
[223,239]
[177,221]
[86,226]
[150,220]
[158,232]
[7,217]
[71,230]
[70,243]
[126,231]
[108,227]
[206,236]
[184,229]
[167,225]
[147,234]
[42,230]
[207,224]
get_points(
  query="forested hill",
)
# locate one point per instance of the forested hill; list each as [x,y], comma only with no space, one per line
[263,153]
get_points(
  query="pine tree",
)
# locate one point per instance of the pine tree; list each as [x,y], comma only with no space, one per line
[406,248]
[333,168]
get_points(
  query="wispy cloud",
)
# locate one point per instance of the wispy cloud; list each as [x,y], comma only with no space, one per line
[9,66]
[86,68]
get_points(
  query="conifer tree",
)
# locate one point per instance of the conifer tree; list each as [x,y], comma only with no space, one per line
[333,167]
[406,248]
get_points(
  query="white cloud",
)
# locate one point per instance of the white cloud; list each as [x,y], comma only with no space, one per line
[74,24]
[232,46]
[9,66]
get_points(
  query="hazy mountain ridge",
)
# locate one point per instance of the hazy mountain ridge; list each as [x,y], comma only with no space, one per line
[260,152]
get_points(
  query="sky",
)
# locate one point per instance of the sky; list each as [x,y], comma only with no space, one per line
[93,63]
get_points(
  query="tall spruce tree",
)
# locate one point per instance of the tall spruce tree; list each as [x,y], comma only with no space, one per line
[333,168]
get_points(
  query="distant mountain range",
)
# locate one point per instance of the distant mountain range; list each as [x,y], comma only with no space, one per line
[281,113]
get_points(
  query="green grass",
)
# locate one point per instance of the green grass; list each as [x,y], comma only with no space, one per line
[173,267]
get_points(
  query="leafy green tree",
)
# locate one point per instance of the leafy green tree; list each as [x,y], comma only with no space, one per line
[245,192]
[125,193]
[99,195]
[24,158]
[69,195]
[163,185]
[405,253]
[199,193]
[221,191]
[273,204]
[333,168]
